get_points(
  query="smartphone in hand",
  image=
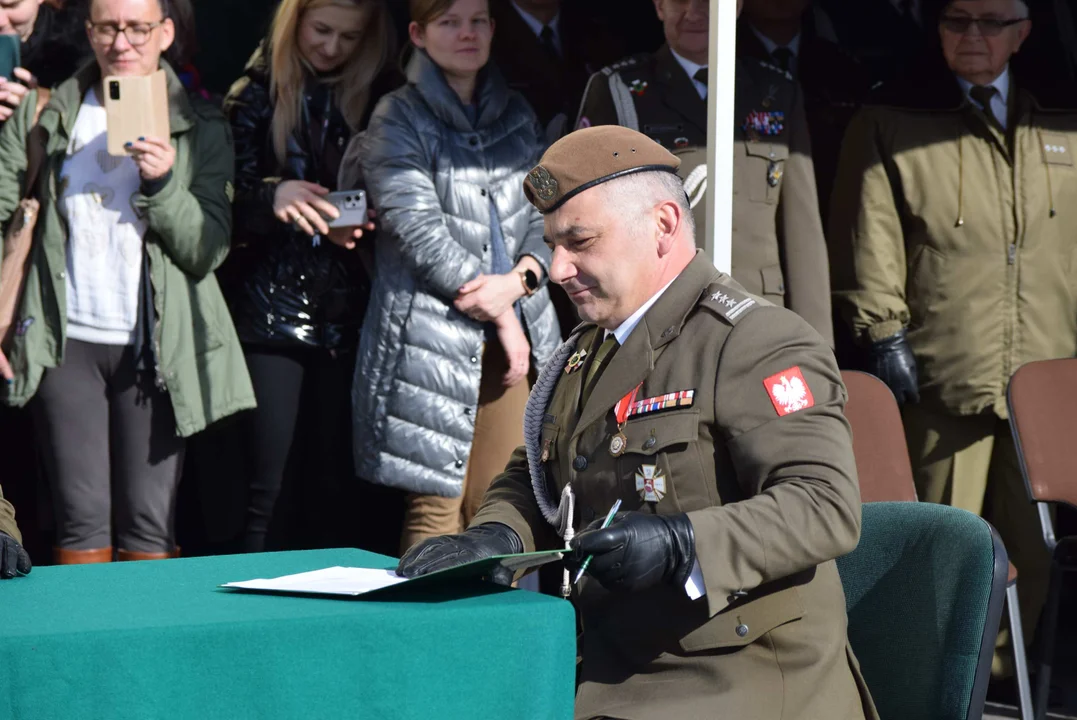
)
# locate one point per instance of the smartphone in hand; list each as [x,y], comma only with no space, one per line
[351,204]
[10,55]
[135,107]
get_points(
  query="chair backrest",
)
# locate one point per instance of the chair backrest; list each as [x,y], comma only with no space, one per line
[1042,399]
[924,592]
[882,457]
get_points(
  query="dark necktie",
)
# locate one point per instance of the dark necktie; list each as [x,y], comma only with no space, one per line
[783,58]
[984,94]
[598,364]
[701,76]
[546,38]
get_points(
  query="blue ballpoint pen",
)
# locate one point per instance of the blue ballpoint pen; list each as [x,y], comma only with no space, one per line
[605,524]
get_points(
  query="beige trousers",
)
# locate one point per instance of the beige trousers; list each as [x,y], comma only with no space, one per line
[971,462]
[499,430]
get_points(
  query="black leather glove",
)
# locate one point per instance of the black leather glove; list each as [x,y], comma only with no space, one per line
[637,551]
[891,360]
[481,541]
[14,559]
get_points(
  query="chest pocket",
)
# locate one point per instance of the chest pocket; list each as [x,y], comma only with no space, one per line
[765,167]
[660,465]
[1056,149]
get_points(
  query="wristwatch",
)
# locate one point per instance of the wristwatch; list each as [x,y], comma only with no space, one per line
[529,280]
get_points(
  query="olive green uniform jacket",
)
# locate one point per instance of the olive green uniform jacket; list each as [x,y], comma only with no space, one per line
[7,518]
[772,497]
[197,354]
[779,249]
[947,226]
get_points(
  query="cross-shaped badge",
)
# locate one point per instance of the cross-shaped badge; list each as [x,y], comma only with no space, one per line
[575,362]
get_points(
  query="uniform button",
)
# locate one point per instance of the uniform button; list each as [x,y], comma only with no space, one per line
[486,248]
[738,595]
[649,443]
[483,192]
[61,275]
[459,463]
[467,411]
[473,141]
[474,359]
[580,463]
[741,630]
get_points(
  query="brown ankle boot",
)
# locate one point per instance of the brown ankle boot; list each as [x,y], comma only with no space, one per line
[63,556]
[129,555]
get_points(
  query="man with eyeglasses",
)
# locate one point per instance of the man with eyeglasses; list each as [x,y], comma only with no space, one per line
[953,252]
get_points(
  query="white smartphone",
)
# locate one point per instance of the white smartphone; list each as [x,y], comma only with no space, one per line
[351,204]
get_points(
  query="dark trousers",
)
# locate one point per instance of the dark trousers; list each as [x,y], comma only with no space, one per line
[301,430]
[111,452]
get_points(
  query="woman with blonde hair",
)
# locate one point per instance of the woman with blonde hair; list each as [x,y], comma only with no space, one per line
[297,289]
[460,315]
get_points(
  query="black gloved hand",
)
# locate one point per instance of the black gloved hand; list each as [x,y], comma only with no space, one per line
[14,559]
[637,551]
[481,541]
[891,360]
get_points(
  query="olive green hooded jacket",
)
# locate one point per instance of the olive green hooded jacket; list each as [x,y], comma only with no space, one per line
[197,354]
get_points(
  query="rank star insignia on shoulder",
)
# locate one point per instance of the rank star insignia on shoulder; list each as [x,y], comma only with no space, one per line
[727,303]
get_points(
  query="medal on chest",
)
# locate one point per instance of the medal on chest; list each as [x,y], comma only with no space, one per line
[650,483]
[618,443]
[575,362]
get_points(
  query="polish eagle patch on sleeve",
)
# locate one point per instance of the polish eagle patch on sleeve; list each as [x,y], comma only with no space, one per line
[789,392]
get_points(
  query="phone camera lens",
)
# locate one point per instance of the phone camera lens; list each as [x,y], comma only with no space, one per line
[114,90]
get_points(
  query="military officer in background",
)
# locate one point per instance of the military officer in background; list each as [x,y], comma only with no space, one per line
[716,419]
[13,558]
[779,250]
[952,231]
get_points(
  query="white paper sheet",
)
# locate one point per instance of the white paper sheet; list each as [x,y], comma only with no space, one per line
[330,581]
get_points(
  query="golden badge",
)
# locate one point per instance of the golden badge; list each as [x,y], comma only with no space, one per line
[618,443]
[650,483]
[575,362]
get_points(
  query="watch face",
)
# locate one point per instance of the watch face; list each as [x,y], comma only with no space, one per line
[531,279]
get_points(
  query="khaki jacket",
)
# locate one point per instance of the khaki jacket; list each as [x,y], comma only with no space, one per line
[964,235]
[779,249]
[773,501]
[7,518]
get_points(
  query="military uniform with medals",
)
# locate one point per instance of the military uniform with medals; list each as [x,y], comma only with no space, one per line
[722,408]
[779,250]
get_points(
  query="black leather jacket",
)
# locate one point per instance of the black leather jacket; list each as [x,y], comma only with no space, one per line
[283,287]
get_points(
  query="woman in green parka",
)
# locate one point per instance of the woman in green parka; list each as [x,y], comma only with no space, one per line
[122,337]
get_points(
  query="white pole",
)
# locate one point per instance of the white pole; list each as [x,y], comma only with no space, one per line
[718,242]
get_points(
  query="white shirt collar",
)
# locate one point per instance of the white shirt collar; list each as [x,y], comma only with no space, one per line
[771,46]
[1001,83]
[625,329]
[536,25]
[691,68]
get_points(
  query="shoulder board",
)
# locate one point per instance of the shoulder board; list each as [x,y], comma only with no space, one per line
[631,61]
[777,70]
[729,303]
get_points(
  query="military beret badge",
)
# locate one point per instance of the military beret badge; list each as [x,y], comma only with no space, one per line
[545,185]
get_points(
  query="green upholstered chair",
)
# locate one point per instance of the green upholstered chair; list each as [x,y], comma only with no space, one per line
[924,591]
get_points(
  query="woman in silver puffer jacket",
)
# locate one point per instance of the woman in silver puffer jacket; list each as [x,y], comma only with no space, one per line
[459,316]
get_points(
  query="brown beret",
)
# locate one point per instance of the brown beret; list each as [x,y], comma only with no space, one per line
[589,157]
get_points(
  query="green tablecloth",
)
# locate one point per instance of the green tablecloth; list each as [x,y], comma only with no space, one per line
[158,640]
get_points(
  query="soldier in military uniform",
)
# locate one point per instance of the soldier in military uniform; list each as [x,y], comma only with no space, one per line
[779,250]
[13,558]
[716,418]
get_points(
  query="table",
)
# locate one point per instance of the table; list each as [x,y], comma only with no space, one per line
[158,639]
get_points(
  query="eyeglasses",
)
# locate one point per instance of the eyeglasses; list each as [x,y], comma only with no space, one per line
[988,26]
[137,34]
